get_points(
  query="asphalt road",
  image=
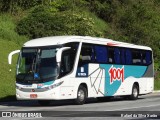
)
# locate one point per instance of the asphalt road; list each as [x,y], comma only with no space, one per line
[146,107]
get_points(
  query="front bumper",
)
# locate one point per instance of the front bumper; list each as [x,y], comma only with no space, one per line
[47,95]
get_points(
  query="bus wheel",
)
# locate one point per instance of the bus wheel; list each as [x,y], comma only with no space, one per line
[135,92]
[44,102]
[81,95]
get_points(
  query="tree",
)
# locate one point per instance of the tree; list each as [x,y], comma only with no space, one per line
[42,22]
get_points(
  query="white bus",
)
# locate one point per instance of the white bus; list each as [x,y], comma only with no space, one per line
[77,67]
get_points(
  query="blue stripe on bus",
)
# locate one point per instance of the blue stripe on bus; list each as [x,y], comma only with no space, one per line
[45,83]
[48,83]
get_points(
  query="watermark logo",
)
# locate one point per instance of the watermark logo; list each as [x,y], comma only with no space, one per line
[17,114]
[116,74]
[6,114]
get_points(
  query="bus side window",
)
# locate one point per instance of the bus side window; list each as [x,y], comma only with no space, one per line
[136,57]
[117,55]
[111,55]
[128,56]
[66,62]
[101,54]
[143,57]
[148,57]
[86,55]
[123,60]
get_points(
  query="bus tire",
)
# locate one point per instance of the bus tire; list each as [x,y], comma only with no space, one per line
[44,102]
[135,92]
[81,95]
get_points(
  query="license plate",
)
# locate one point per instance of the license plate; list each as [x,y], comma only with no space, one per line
[33,95]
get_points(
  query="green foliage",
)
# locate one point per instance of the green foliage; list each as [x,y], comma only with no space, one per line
[7,30]
[7,78]
[26,4]
[103,8]
[42,22]
[157,81]
[13,5]
[33,25]
[9,41]
[65,5]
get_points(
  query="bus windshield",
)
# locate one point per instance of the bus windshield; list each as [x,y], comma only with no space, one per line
[37,65]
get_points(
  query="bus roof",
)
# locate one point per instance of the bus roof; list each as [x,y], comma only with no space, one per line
[58,40]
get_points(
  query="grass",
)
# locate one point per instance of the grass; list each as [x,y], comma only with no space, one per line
[7,30]
[9,41]
[99,24]
[157,81]
[157,85]
[7,78]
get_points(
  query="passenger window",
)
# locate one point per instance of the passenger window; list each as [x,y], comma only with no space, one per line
[111,55]
[128,56]
[123,60]
[136,57]
[117,56]
[87,54]
[101,54]
[148,57]
[143,55]
[66,62]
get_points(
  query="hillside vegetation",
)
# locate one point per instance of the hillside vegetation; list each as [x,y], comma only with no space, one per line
[133,21]
[9,41]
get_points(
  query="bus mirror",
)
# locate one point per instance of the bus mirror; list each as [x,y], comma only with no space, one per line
[10,56]
[59,53]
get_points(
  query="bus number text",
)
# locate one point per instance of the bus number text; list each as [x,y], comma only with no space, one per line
[116,74]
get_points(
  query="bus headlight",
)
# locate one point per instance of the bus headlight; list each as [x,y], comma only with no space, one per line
[53,86]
